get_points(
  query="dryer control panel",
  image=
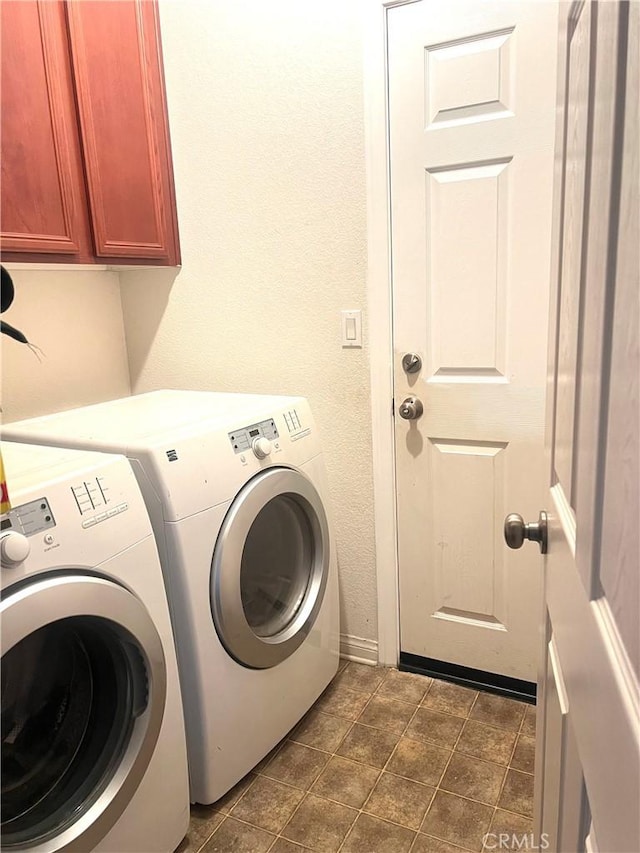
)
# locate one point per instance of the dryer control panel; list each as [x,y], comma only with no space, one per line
[29,518]
[242,439]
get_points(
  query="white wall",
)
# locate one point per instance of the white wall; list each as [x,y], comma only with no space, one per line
[75,317]
[266,118]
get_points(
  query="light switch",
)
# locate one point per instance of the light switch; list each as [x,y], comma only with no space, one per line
[351,328]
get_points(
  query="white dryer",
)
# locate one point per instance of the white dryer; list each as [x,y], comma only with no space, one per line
[93,746]
[237,493]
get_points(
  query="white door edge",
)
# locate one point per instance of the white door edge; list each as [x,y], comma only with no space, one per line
[379,297]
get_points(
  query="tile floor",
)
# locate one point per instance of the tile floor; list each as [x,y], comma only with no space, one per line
[385,762]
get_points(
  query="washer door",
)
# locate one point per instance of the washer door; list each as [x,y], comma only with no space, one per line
[83,696]
[269,568]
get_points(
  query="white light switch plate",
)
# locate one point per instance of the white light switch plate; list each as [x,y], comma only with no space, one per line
[351,328]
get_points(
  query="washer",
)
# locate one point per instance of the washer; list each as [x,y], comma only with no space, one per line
[93,744]
[237,493]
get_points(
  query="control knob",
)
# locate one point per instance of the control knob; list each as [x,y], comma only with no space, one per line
[261,447]
[14,548]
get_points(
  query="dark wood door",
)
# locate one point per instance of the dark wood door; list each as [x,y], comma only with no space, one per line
[117,67]
[43,209]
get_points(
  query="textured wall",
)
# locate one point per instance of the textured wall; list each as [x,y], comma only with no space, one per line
[75,317]
[266,117]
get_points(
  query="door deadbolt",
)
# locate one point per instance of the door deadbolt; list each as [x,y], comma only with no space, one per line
[516,531]
[410,408]
[411,362]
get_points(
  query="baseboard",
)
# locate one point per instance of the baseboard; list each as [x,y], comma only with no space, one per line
[359,649]
[477,679]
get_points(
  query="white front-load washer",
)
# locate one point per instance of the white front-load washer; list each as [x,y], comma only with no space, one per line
[237,493]
[93,743]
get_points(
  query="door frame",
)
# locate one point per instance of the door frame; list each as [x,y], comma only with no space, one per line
[380,296]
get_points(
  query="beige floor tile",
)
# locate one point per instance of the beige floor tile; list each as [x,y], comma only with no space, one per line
[487,742]
[202,823]
[400,800]
[524,755]
[284,846]
[435,727]
[239,837]
[387,714]
[473,778]
[322,731]
[320,824]
[368,745]
[359,676]
[228,801]
[404,686]
[342,701]
[529,722]
[498,711]
[458,821]
[370,834]
[451,698]
[517,794]
[297,765]
[346,781]
[269,756]
[422,762]
[511,824]
[267,804]
[429,844]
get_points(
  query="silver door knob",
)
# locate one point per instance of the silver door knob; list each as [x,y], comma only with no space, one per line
[516,531]
[411,362]
[411,408]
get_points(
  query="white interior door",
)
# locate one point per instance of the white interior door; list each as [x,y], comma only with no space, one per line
[471,110]
[588,749]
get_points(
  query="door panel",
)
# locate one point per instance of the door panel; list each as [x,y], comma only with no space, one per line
[123,124]
[43,202]
[471,93]
[591,589]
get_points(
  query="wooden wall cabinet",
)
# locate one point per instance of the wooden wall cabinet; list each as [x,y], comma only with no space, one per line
[86,158]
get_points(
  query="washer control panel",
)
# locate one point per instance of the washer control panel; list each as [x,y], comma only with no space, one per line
[29,518]
[243,439]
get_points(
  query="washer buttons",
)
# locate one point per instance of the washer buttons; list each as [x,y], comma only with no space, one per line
[48,539]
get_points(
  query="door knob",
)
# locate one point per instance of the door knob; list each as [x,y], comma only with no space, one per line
[411,362]
[411,408]
[516,531]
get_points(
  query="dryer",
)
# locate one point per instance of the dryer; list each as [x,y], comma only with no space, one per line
[237,492]
[93,744]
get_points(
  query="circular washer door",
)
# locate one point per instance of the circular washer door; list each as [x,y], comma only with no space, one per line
[269,568]
[83,696]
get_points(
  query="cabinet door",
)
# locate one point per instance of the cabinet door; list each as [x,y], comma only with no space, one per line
[43,205]
[117,66]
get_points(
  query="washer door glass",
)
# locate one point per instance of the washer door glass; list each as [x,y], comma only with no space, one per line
[70,694]
[276,566]
[269,568]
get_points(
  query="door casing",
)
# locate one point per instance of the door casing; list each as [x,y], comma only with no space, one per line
[379,295]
